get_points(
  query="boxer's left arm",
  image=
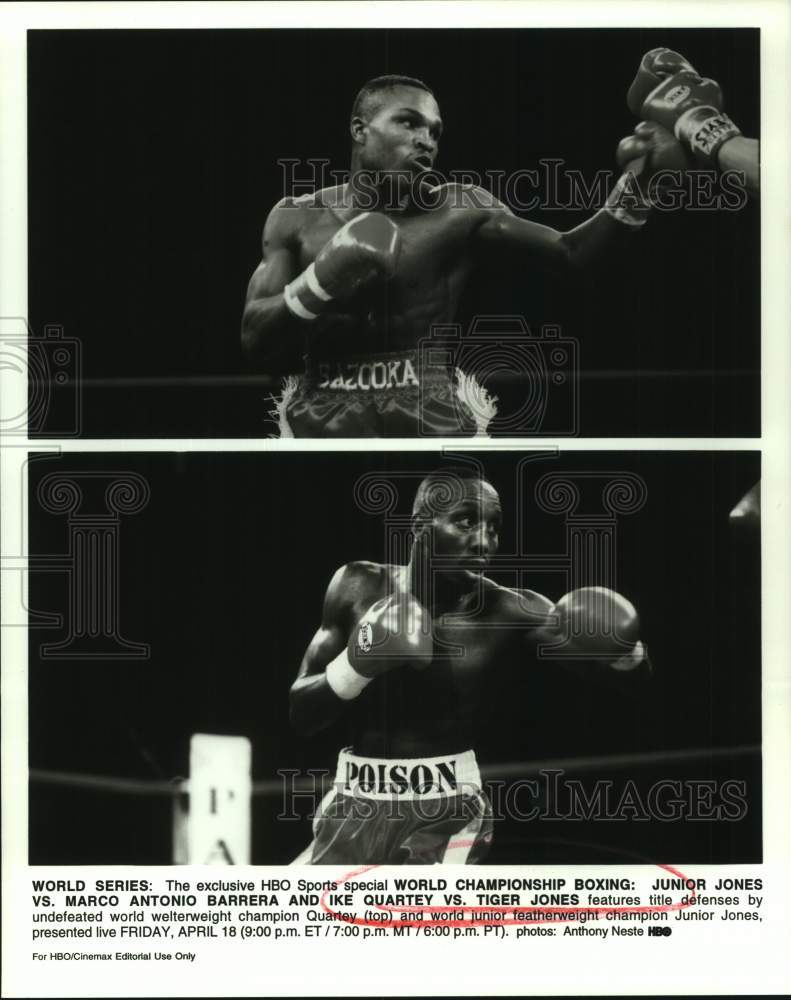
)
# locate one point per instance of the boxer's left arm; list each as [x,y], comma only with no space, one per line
[626,673]
[651,150]
[558,251]
[597,616]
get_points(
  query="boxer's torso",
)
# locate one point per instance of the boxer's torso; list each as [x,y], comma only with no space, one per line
[433,265]
[443,708]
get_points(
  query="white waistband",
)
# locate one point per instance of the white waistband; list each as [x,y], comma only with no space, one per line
[407,778]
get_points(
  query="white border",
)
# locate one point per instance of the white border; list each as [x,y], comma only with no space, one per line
[773,17]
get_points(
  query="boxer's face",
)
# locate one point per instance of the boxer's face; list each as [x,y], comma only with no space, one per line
[469,531]
[402,135]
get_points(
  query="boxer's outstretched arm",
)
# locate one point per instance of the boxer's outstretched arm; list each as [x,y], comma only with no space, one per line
[575,249]
[269,329]
[313,703]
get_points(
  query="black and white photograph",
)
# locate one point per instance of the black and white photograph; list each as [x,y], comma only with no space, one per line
[558,654]
[395,476]
[394,233]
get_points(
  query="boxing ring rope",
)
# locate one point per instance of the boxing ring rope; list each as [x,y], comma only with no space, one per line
[267,381]
[212,809]
[511,769]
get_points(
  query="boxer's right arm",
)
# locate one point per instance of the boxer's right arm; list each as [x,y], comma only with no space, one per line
[268,327]
[282,303]
[313,703]
[348,652]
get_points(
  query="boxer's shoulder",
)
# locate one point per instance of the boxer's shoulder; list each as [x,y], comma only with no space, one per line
[284,220]
[468,196]
[358,582]
[322,200]
[522,603]
[469,206]
[336,196]
[311,203]
[364,570]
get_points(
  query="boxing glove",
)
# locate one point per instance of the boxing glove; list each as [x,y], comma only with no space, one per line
[364,249]
[657,145]
[394,632]
[597,623]
[682,101]
[655,67]
[647,157]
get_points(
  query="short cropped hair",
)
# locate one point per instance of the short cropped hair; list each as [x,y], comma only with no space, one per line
[442,488]
[366,104]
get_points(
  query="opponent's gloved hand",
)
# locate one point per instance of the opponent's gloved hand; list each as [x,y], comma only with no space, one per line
[598,624]
[647,156]
[655,67]
[365,249]
[393,632]
[669,91]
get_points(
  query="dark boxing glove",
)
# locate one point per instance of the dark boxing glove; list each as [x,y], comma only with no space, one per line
[669,91]
[598,623]
[365,249]
[648,157]
[393,632]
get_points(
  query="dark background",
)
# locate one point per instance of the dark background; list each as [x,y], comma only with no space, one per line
[224,572]
[153,165]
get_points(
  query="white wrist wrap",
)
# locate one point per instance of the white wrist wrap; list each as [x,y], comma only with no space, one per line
[314,285]
[344,679]
[307,280]
[705,129]
[618,211]
[296,307]
[631,660]
[621,214]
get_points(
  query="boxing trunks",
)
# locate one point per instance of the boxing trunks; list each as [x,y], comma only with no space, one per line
[382,395]
[413,811]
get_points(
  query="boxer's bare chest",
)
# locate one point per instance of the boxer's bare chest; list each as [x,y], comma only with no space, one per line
[467,649]
[435,248]
[446,706]
[484,634]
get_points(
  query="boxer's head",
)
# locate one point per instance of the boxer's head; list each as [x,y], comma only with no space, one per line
[458,512]
[395,126]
